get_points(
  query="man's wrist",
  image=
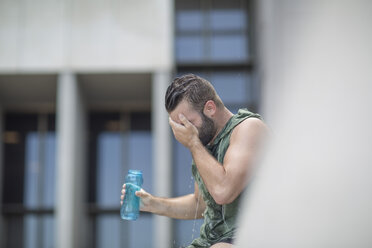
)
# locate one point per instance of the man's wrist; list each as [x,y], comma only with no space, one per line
[195,145]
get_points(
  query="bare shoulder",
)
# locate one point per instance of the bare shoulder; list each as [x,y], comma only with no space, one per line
[249,130]
[250,125]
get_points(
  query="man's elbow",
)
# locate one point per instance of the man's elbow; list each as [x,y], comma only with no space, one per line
[223,200]
[222,196]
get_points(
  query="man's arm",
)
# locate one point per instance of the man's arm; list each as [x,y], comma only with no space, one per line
[184,207]
[224,182]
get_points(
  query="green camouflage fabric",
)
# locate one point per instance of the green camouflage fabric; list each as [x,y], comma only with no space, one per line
[219,220]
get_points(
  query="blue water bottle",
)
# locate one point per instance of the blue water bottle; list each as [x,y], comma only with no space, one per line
[131,204]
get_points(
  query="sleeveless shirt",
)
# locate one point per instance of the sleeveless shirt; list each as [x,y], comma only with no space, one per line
[219,220]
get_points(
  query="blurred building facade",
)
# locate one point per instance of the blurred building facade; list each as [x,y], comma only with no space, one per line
[82,87]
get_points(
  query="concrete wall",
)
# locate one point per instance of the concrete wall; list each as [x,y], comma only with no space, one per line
[129,35]
[313,188]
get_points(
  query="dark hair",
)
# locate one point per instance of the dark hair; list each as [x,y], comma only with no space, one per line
[196,90]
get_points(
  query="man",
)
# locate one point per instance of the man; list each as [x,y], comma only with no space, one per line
[223,146]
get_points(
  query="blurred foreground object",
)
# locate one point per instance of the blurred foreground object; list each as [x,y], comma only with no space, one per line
[313,188]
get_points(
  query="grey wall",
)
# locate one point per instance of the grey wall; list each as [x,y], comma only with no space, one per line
[312,188]
[85,35]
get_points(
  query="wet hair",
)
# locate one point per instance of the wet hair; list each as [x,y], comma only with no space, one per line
[194,89]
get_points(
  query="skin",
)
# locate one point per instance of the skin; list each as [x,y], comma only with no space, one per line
[224,181]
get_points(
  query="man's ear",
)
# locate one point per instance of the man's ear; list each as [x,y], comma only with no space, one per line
[210,108]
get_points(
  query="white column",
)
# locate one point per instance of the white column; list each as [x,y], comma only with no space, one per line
[70,163]
[1,175]
[162,156]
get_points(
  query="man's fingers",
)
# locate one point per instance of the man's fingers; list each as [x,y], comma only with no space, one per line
[174,125]
[140,193]
[171,122]
[184,120]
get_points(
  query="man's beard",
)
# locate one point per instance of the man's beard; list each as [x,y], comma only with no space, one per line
[207,131]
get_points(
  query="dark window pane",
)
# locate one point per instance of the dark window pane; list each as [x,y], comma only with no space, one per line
[40,172]
[51,122]
[228,48]
[114,232]
[16,128]
[186,231]
[188,4]
[189,48]
[189,20]
[140,121]
[226,4]
[21,122]
[140,156]
[227,20]
[108,231]
[232,86]
[109,168]
[182,173]
[29,179]
[119,142]
[98,123]
[49,170]
[32,168]
[30,230]
[140,232]
[116,154]
[14,232]
[29,168]
[48,231]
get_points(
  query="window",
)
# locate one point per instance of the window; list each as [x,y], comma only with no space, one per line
[213,40]
[29,180]
[117,142]
[212,31]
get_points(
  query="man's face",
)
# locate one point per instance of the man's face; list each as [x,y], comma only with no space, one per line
[206,127]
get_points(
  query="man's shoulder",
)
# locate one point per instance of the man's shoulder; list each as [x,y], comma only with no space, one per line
[250,123]
[249,126]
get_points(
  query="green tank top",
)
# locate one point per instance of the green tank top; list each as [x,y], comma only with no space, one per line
[219,220]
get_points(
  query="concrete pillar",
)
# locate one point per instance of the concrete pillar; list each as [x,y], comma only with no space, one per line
[70,208]
[162,156]
[1,175]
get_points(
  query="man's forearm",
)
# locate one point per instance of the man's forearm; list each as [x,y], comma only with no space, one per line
[211,171]
[184,207]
